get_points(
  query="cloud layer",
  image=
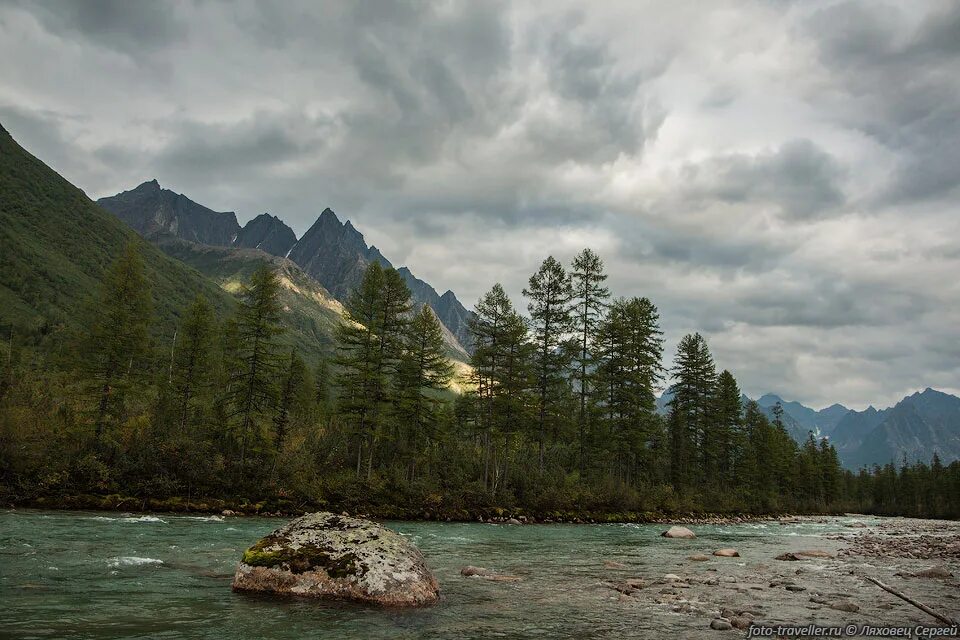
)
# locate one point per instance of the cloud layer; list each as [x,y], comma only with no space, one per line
[780,176]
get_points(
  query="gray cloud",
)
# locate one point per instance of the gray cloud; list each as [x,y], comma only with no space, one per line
[799,178]
[129,27]
[783,179]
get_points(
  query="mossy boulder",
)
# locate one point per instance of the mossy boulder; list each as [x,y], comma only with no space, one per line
[324,555]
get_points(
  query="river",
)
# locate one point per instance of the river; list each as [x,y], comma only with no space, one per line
[100,575]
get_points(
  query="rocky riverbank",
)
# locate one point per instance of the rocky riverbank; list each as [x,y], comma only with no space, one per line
[826,585]
[287,508]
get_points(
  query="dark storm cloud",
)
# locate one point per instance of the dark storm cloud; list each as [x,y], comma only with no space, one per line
[901,85]
[130,27]
[799,178]
[782,176]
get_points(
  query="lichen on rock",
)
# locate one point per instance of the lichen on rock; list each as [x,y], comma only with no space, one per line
[324,555]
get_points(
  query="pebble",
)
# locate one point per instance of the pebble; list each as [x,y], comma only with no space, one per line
[720,624]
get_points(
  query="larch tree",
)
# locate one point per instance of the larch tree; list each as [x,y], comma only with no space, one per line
[190,372]
[252,389]
[589,301]
[424,370]
[693,388]
[118,342]
[550,293]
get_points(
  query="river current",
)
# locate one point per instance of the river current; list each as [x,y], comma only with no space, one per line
[105,575]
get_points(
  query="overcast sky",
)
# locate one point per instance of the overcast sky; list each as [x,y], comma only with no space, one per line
[781,176]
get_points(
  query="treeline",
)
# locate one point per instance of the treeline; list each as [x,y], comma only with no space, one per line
[556,415]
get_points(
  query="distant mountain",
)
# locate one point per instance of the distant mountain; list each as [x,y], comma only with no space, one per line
[453,315]
[267,233]
[332,252]
[335,254]
[56,244]
[915,428]
[797,430]
[820,422]
[156,212]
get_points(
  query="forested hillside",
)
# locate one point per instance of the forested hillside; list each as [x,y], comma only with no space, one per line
[56,245]
[556,418]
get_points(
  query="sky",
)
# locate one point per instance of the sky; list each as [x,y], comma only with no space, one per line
[783,177]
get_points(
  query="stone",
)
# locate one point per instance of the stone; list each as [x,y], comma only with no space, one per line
[933,572]
[513,521]
[470,571]
[740,622]
[795,587]
[814,553]
[672,577]
[727,553]
[611,564]
[855,525]
[327,556]
[679,532]
[788,556]
[719,624]
[698,557]
[849,607]
[228,512]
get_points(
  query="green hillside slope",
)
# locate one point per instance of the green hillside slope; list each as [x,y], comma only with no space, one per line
[55,244]
[310,312]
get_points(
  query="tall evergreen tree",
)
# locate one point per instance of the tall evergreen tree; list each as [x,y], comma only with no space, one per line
[589,300]
[370,346]
[424,369]
[293,388]
[693,389]
[723,439]
[190,367]
[629,352]
[114,351]
[550,294]
[252,388]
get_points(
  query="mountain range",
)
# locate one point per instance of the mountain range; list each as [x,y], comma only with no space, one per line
[918,426]
[332,252]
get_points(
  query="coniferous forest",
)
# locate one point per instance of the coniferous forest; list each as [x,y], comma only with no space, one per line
[555,418]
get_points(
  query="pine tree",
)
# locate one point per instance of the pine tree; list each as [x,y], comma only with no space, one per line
[628,355]
[693,389]
[370,346]
[291,397]
[190,366]
[117,345]
[424,369]
[589,298]
[724,437]
[550,294]
[252,389]
[489,329]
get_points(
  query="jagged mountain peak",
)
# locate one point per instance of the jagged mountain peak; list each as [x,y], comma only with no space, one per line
[154,212]
[267,233]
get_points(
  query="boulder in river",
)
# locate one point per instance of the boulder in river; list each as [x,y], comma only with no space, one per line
[727,553]
[323,555]
[678,532]
[719,624]
[932,572]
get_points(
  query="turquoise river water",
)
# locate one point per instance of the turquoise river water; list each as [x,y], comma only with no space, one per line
[100,575]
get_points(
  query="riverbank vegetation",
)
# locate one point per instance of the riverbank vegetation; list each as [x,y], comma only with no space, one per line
[558,417]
